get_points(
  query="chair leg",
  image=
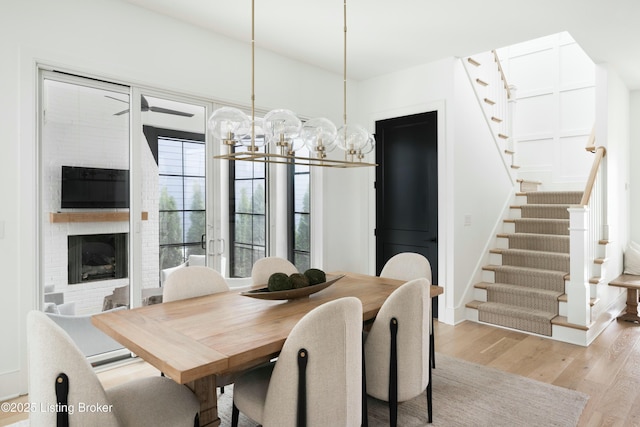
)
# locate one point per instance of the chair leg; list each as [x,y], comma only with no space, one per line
[235,413]
[432,347]
[429,399]
[393,374]
[365,412]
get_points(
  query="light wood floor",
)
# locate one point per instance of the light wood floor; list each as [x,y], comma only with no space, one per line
[608,370]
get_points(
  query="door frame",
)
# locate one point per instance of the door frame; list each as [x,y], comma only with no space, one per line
[445,204]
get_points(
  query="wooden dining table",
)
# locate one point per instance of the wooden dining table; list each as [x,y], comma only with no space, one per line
[193,341]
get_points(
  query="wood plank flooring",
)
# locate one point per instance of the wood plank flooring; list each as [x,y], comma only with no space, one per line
[608,370]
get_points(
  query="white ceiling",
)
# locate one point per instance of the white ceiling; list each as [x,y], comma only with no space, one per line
[385,35]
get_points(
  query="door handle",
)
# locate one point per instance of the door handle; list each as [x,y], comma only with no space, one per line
[212,246]
[203,244]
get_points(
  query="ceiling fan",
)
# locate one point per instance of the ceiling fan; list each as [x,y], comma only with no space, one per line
[144,104]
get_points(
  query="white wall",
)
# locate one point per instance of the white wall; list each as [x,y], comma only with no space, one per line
[555,109]
[115,41]
[613,132]
[634,183]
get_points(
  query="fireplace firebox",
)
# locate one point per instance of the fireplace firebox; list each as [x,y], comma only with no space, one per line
[97,257]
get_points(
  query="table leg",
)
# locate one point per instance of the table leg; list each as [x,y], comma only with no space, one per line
[632,307]
[205,389]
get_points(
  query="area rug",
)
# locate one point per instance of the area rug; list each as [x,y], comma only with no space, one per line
[466,394]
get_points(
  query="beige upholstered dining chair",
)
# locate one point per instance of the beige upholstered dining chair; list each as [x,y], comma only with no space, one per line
[265,267]
[408,266]
[196,281]
[317,380]
[191,282]
[64,388]
[396,348]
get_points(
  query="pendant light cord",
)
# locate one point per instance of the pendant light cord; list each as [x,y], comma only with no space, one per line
[345,65]
[253,83]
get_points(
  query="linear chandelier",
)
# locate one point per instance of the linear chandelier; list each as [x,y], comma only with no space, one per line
[287,133]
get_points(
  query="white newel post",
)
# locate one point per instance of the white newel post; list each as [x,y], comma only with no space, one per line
[578,288]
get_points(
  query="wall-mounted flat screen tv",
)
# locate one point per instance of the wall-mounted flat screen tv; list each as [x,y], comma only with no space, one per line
[93,188]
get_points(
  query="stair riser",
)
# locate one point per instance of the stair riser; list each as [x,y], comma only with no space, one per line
[520,199]
[502,243]
[549,283]
[542,328]
[555,244]
[549,198]
[544,263]
[509,227]
[515,213]
[560,228]
[526,301]
[488,276]
[480,294]
[562,308]
[534,211]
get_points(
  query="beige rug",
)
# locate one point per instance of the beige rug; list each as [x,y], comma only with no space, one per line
[466,394]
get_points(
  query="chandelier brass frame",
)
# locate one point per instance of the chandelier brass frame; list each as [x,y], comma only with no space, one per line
[353,158]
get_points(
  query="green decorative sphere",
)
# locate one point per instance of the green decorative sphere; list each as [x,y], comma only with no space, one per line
[315,276]
[279,282]
[299,280]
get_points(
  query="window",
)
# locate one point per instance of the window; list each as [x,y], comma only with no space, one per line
[299,214]
[181,166]
[248,207]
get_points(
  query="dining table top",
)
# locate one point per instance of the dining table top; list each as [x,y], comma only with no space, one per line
[227,331]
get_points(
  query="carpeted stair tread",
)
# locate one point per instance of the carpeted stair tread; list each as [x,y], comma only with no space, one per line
[542,226]
[550,280]
[556,211]
[538,242]
[554,197]
[536,259]
[524,319]
[522,296]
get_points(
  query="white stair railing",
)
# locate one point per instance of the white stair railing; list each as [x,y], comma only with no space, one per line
[587,227]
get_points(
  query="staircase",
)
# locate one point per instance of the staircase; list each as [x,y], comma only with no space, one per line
[530,283]
[523,285]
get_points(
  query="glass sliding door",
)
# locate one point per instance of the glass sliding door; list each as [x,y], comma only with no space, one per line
[84,164]
[174,159]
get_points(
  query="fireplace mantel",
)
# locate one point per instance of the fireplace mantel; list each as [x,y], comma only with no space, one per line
[93,216]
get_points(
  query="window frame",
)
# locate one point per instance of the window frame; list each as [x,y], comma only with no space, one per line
[163,133]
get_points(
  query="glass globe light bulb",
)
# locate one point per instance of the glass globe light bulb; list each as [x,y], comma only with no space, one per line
[319,135]
[226,123]
[253,128]
[369,146]
[281,125]
[352,138]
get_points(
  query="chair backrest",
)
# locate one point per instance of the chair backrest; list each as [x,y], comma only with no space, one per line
[407,266]
[410,304]
[191,282]
[265,267]
[50,353]
[331,334]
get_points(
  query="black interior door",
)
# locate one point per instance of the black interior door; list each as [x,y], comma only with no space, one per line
[407,188]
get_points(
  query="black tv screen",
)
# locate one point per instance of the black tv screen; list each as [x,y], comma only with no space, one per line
[94,187]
